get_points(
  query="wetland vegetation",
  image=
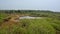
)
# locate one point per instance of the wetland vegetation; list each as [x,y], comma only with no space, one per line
[49,24]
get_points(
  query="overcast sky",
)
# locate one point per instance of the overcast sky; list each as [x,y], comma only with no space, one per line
[30,4]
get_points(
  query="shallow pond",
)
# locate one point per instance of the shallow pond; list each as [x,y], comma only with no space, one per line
[29,17]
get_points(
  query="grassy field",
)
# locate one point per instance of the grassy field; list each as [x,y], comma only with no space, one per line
[26,26]
[48,25]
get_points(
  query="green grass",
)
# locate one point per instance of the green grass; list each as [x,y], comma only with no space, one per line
[31,26]
[2,16]
[39,27]
[26,26]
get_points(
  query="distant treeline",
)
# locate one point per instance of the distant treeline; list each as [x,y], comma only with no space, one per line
[40,13]
[24,11]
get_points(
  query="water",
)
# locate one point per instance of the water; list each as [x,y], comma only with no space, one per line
[29,17]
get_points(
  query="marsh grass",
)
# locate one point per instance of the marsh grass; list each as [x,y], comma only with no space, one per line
[31,26]
[28,26]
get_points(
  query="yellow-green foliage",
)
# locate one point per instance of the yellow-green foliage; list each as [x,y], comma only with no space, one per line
[2,16]
[29,26]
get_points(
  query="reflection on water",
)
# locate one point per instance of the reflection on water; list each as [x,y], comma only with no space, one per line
[29,17]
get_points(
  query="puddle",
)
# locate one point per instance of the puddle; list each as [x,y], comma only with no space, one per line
[29,17]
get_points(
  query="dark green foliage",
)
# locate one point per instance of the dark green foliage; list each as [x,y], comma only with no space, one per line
[39,13]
